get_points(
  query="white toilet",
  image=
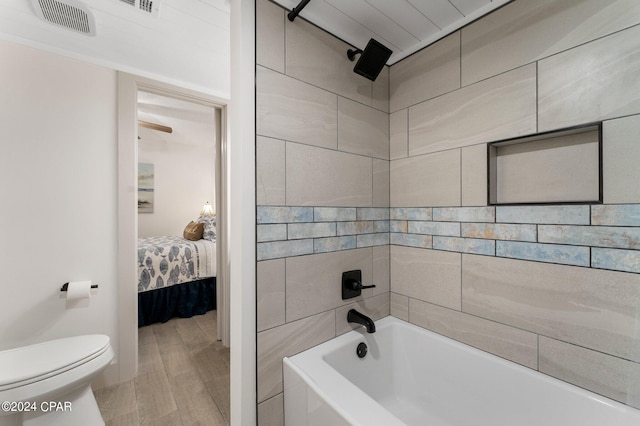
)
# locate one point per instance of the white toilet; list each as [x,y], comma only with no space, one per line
[50,383]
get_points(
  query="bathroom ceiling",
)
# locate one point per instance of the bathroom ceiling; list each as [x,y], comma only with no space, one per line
[187,43]
[404,26]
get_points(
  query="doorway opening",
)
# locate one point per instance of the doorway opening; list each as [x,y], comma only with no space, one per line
[177,237]
[152,102]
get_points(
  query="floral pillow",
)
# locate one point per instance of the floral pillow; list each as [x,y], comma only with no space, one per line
[209,222]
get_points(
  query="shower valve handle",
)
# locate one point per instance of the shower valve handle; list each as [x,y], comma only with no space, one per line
[352,284]
[357,285]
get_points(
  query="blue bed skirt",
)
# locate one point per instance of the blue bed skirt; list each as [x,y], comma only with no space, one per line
[181,300]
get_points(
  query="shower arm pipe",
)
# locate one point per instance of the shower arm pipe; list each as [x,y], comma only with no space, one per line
[296,10]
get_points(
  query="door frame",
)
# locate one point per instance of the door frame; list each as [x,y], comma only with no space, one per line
[127,308]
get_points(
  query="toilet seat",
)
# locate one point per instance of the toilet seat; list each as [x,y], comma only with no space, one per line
[30,364]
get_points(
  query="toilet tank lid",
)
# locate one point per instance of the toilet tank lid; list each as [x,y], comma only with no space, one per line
[41,360]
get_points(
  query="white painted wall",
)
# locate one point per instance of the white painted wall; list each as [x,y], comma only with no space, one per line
[58,195]
[184,181]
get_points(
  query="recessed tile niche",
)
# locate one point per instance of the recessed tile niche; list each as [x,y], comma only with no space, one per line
[562,166]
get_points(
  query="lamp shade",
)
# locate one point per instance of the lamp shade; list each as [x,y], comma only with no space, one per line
[207,210]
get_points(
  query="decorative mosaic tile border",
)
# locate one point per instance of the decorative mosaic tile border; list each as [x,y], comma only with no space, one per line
[596,236]
[296,231]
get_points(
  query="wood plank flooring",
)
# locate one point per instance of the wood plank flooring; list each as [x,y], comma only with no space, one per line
[183,378]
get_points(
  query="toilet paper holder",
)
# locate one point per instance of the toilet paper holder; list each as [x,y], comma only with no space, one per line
[65,286]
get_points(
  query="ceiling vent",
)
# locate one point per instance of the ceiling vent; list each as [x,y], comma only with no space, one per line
[69,14]
[149,6]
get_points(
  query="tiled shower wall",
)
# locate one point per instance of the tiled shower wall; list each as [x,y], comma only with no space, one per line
[322,158]
[543,286]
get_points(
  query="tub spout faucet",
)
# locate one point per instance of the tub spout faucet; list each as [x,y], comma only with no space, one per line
[358,318]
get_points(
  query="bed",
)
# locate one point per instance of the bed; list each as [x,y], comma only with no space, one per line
[176,278]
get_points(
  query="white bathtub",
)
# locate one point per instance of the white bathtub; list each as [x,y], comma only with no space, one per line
[411,376]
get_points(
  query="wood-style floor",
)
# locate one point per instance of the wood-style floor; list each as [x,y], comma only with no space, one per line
[183,378]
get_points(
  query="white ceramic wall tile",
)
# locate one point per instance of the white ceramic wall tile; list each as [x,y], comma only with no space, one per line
[270,171]
[525,31]
[381,270]
[322,177]
[321,59]
[271,411]
[380,96]
[289,109]
[620,153]
[376,307]
[588,307]
[592,82]
[426,74]
[498,108]
[362,129]
[314,282]
[429,275]
[606,375]
[507,342]
[474,175]
[426,180]
[270,35]
[288,340]
[270,290]
[380,183]
[399,306]
[398,134]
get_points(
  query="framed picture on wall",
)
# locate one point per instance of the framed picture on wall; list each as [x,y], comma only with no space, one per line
[145,187]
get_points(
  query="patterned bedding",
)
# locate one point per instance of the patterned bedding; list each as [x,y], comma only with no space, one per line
[166,261]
